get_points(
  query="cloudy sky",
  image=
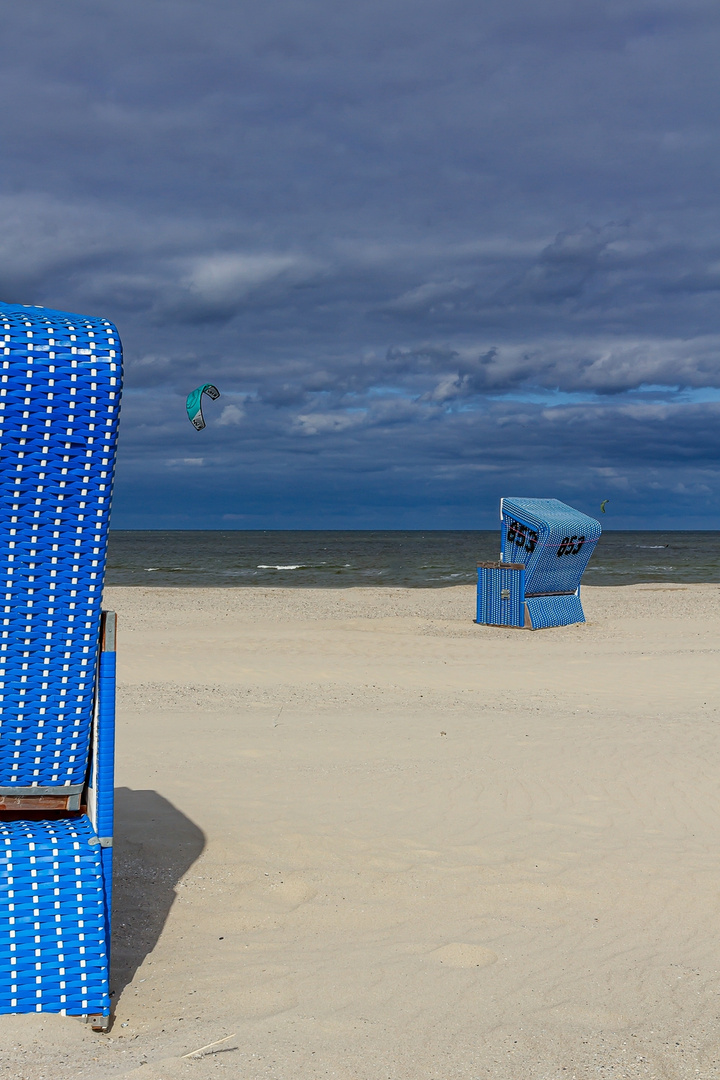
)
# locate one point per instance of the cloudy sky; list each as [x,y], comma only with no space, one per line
[430,251]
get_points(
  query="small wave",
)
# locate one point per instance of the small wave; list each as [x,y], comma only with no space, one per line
[297,566]
[653,547]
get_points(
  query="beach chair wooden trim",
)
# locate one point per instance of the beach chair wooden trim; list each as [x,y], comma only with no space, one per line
[498,565]
[34,803]
[69,789]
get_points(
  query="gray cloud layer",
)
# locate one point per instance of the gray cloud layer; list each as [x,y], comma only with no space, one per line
[431,253]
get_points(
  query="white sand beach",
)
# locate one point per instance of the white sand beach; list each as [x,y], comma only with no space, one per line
[374,841]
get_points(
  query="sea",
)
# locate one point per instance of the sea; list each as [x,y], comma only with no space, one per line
[418,559]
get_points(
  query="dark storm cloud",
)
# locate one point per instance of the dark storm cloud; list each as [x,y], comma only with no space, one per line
[429,251]
[362,465]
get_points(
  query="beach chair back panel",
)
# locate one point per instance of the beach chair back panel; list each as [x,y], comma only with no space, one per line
[553,540]
[60,382]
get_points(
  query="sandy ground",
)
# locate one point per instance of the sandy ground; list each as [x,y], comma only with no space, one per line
[372,841]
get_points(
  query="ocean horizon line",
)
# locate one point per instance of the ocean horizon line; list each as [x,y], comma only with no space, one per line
[414,558]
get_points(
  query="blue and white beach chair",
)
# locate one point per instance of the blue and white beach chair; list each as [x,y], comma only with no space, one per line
[545,548]
[60,384]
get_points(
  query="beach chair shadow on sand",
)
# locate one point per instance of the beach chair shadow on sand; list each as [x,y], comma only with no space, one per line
[156,844]
[545,548]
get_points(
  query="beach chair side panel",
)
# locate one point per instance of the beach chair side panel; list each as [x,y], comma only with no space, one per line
[501,594]
[101,783]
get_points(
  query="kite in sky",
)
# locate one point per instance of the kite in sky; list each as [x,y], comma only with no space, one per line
[194,404]
[603,504]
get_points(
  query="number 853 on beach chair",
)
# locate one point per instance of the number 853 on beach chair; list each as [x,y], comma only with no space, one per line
[545,548]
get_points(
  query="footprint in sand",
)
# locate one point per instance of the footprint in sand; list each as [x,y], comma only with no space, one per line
[285,893]
[595,1018]
[462,955]
[271,999]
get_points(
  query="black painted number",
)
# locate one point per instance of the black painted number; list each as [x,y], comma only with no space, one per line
[571,545]
[521,536]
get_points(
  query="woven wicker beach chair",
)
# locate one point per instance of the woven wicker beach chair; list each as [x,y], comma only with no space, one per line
[60,383]
[545,548]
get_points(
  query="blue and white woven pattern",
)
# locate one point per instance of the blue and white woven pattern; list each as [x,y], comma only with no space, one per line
[547,611]
[553,540]
[53,955]
[60,380]
[501,596]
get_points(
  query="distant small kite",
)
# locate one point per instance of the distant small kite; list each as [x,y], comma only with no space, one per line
[194,404]
[603,504]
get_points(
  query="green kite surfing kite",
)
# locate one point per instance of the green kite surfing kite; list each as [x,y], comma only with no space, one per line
[194,404]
